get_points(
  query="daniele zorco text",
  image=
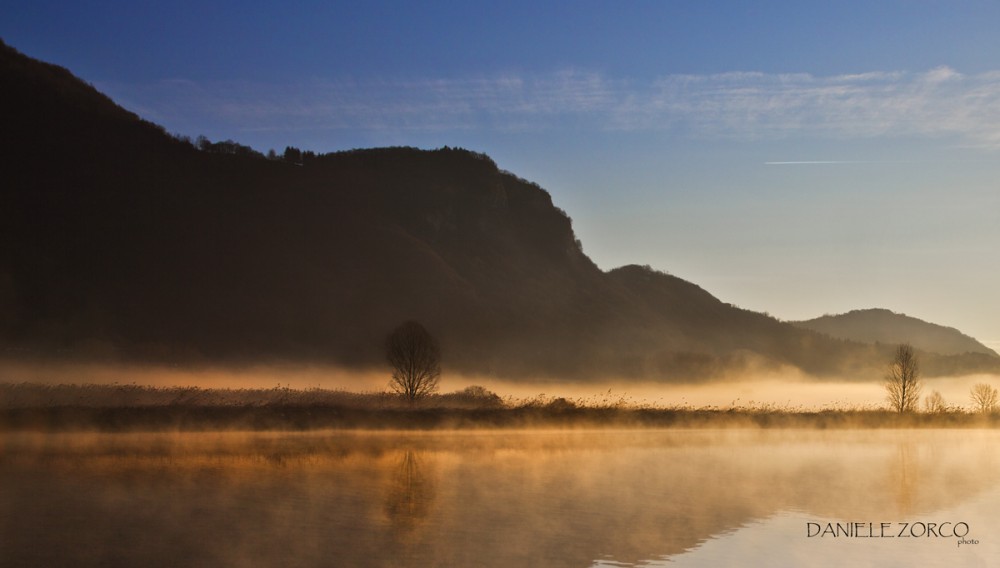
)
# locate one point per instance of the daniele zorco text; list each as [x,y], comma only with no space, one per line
[948,529]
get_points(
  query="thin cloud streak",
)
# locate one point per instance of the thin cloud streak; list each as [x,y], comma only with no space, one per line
[936,103]
[834,162]
[820,162]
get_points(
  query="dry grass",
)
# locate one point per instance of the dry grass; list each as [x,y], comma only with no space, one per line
[118,407]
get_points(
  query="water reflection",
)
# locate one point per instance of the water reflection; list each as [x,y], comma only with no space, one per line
[479,498]
[410,493]
[903,477]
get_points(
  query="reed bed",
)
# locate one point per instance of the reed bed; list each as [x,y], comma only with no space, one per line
[130,407]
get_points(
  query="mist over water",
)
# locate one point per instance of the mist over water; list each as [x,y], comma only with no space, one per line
[512,498]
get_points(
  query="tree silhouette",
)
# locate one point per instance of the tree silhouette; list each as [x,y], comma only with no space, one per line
[934,403]
[292,155]
[902,381]
[415,358]
[985,398]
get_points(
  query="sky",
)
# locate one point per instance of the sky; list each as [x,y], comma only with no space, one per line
[799,158]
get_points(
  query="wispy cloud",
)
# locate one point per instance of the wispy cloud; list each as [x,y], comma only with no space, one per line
[938,102]
[934,103]
[833,162]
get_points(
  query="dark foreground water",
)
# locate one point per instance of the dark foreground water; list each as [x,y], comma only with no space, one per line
[610,498]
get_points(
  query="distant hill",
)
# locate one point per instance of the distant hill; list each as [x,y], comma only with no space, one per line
[121,242]
[884,326]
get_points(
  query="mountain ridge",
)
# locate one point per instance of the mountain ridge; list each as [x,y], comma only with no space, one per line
[885,326]
[121,242]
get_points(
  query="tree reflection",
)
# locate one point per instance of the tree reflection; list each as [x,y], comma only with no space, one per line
[904,478]
[410,493]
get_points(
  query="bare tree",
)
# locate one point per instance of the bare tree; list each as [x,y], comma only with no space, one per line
[902,381]
[415,358]
[934,403]
[985,398]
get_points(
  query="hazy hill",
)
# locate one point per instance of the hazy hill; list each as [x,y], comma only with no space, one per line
[118,241]
[884,326]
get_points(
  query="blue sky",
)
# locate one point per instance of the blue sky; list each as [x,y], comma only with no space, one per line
[796,157]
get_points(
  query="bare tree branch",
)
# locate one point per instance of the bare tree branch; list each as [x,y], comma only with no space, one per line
[902,381]
[985,398]
[934,403]
[415,358]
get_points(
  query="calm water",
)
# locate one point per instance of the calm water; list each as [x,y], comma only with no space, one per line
[618,498]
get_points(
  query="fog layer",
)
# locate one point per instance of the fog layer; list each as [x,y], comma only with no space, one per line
[785,389]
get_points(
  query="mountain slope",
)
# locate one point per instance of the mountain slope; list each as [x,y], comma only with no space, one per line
[119,242]
[884,326]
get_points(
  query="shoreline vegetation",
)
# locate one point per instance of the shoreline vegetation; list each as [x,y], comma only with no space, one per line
[33,407]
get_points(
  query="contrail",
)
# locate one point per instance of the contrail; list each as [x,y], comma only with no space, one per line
[835,162]
[822,162]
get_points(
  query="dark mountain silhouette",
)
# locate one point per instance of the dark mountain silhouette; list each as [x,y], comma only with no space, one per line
[121,242]
[884,326]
